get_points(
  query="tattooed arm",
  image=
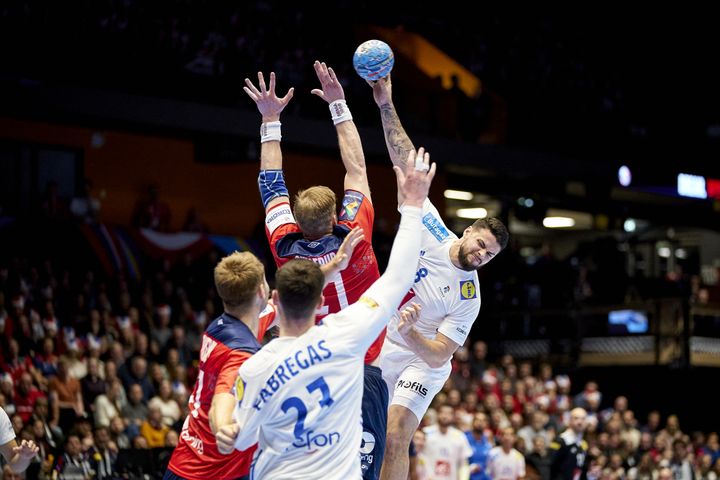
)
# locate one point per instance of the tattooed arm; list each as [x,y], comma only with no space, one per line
[398,143]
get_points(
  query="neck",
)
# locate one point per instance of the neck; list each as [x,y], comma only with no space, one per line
[455,253]
[295,327]
[443,428]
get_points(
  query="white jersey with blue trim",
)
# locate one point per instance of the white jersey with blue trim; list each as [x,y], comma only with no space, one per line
[300,398]
[449,296]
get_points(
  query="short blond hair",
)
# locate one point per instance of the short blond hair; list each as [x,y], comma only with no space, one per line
[314,211]
[237,278]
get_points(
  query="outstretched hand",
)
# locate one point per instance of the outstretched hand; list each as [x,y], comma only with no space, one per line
[414,181]
[265,98]
[26,449]
[382,90]
[342,257]
[331,88]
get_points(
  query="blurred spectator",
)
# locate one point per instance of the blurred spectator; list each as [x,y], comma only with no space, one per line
[92,385]
[26,396]
[193,223]
[481,440]
[85,207]
[505,462]
[679,464]
[135,411]
[446,448]
[109,405]
[153,430]
[103,454]
[73,463]
[570,451]
[66,397]
[151,212]
[539,460]
[167,405]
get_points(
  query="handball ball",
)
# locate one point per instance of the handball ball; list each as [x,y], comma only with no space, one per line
[373,60]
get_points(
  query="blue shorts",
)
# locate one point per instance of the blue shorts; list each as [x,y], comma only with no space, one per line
[374,416]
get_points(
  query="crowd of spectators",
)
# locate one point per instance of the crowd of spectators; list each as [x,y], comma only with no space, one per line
[486,399]
[95,370]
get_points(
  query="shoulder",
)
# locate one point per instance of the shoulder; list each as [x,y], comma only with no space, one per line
[232,333]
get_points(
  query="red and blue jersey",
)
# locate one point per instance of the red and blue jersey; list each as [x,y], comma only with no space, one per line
[226,344]
[287,242]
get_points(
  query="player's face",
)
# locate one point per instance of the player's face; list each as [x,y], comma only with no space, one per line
[478,247]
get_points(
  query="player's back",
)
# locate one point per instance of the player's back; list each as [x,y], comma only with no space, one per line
[309,390]
[226,343]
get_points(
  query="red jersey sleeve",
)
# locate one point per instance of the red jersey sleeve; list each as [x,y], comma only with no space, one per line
[279,221]
[357,211]
[229,372]
[266,320]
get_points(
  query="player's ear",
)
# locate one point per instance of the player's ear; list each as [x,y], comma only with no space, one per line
[276,299]
[467,231]
[321,302]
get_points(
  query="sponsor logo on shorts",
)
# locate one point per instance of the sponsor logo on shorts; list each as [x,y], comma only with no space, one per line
[467,290]
[368,443]
[414,386]
[436,227]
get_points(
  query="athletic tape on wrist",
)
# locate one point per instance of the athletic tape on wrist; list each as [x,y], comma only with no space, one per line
[270,131]
[340,112]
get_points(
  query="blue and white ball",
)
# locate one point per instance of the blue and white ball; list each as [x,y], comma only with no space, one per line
[373,60]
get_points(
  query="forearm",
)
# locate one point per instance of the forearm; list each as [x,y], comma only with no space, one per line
[19,463]
[270,156]
[398,278]
[433,352]
[397,140]
[221,411]
[330,270]
[351,150]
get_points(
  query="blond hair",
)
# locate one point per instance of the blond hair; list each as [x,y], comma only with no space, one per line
[314,211]
[237,278]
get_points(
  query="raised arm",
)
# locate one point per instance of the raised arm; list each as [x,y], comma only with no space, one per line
[271,181]
[351,150]
[397,140]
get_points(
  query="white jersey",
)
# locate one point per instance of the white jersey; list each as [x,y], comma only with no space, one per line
[445,453]
[449,296]
[7,433]
[309,390]
[505,466]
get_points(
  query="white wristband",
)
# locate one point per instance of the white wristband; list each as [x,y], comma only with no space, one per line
[270,131]
[340,112]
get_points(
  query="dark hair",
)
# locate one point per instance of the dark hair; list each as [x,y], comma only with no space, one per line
[496,227]
[299,285]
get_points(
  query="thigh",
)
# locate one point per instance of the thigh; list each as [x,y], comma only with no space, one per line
[416,386]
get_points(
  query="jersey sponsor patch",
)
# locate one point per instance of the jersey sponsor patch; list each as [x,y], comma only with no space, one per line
[278,216]
[369,302]
[467,290]
[239,390]
[351,205]
[436,227]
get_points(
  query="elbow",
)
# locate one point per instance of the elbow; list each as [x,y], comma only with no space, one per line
[436,362]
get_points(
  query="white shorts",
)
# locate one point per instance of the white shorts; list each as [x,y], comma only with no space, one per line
[411,382]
